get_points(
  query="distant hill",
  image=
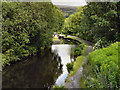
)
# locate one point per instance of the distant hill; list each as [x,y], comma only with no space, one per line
[67,10]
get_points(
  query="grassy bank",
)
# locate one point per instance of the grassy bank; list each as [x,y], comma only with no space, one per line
[76,65]
[102,68]
[79,58]
[55,39]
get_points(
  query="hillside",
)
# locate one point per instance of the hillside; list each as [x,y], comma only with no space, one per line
[67,10]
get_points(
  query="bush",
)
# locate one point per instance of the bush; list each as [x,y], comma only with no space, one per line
[78,50]
[82,46]
[101,43]
[105,68]
[69,67]
[61,41]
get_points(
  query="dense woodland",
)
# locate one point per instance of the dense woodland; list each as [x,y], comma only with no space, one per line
[94,22]
[28,27]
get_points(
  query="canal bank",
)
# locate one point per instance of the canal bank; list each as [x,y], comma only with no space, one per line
[40,71]
[74,78]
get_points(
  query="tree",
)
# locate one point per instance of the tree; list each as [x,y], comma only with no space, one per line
[28,28]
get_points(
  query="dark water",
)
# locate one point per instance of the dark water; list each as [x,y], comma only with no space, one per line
[39,71]
[36,72]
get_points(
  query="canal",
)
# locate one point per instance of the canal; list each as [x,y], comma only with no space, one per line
[40,71]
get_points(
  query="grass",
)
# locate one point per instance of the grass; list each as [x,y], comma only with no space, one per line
[62,41]
[79,60]
[77,64]
[102,68]
[56,87]
[84,50]
[55,39]
[82,82]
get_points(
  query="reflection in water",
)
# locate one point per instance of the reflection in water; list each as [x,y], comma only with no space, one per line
[64,51]
[39,71]
[36,72]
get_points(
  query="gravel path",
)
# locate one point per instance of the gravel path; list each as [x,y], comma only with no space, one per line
[74,81]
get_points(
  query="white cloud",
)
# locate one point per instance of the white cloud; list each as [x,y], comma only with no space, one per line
[69,2]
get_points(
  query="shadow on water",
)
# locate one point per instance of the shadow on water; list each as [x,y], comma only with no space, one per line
[35,72]
[40,71]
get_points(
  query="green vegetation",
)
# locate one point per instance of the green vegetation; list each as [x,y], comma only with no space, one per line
[56,87]
[75,38]
[78,50]
[102,69]
[55,39]
[98,23]
[71,23]
[27,28]
[95,21]
[79,59]
[61,41]
[69,67]
[75,65]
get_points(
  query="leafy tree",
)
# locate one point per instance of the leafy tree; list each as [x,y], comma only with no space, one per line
[28,28]
[95,21]
[72,23]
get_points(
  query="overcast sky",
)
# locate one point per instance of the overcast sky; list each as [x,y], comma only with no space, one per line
[69,2]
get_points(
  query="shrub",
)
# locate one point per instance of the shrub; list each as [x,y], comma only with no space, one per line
[101,43]
[78,50]
[69,67]
[61,41]
[82,46]
[105,68]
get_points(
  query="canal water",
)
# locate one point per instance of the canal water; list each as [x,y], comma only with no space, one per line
[64,51]
[40,71]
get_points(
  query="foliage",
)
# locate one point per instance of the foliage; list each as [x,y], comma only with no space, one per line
[95,21]
[55,39]
[27,28]
[71,23]
[101,43]
[69,67]
[102,69]
[56,87]
[61,41]
[76,39]
[82,49]
[78,50]
[77,64]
